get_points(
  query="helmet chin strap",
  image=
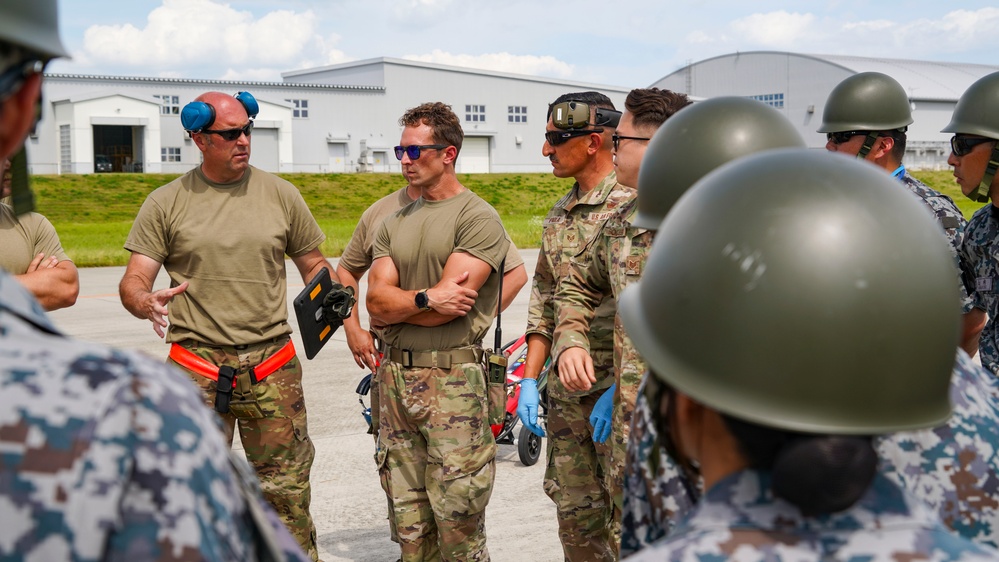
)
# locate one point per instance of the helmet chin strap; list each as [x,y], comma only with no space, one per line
[981,193]
[868,145]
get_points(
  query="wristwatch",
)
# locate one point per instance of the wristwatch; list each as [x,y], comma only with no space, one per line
[422,300]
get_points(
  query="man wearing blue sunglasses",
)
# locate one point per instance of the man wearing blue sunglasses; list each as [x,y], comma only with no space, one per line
[433,291]
[222,232]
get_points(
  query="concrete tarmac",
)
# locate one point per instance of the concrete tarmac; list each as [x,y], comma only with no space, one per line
[348,504]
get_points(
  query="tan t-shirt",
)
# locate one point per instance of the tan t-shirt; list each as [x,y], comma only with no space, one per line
[419,239]
[356,256]
[229,241]
[23,237]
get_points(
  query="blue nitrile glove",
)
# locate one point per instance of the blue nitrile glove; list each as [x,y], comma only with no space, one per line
[527,406]
[600,417]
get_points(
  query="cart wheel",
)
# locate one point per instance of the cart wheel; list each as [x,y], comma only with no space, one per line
[528,447]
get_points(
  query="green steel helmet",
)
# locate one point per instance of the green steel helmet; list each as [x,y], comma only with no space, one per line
[697,140]
[804,292]
[977,112]
[868,101]
[33,25]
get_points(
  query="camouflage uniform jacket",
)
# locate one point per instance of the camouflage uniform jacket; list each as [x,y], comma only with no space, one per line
[615,261]
[656,493]
[981,252]
[953,468]
[740,519]
[109,455]
[951,220]
[568,231]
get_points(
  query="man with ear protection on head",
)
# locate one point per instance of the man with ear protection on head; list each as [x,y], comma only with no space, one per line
[222,232]
[578,141]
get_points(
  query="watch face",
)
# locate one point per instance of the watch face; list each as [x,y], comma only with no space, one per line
[422,301]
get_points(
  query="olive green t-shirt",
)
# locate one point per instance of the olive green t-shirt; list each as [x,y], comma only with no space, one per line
[229,241]
[356,256]
[23,237]
[419,239]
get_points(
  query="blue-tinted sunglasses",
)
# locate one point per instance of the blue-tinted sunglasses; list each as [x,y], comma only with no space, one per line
[413,150]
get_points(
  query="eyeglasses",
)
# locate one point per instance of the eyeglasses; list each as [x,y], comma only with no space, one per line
[961,145]
[232,134]
[413,150]
[616,139]
[556,138]
[843,136]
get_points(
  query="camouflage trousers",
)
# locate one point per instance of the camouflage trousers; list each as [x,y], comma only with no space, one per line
[277,445]
[375,404]
[436,459]
[577,480]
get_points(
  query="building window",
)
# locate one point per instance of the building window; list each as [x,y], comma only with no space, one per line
[516,114]
[475,114]
[65,150]
[773,100]
[169,105]
[170,154]
[301,110]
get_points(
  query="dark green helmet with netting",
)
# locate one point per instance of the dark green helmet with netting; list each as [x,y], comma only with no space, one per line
[33,25]
[699,139]
[977,113]
[801,291]
[868,101]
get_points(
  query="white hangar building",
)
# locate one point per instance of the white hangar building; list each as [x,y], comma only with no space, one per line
[340,118]
[798,85]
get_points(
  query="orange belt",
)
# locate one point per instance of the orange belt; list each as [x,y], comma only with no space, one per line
[206,369]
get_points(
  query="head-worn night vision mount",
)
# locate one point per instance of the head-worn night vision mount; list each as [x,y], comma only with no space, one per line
[576,115]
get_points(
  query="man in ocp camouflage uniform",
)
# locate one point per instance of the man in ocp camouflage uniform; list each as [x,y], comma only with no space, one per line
[222,232]
[433,289]
[687,147]
[615,261]
[866,117]
[975,158]
[107,455]
[578,144]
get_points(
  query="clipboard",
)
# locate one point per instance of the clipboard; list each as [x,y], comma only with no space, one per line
[312,325]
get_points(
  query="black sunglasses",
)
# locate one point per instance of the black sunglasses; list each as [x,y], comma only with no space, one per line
[616,139]
[556,138]
[961,145]
[843,136]
[413,150]
[232,134]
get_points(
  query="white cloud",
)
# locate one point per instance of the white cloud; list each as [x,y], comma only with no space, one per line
[774,29]
[502,62]
[957,31]
[181,34]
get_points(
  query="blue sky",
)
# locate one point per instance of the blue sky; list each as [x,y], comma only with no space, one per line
[629,43]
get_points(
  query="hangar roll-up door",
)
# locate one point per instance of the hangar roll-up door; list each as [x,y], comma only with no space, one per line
[264,149]
[474,156]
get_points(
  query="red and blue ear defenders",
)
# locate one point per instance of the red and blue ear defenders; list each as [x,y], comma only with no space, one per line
[199,115]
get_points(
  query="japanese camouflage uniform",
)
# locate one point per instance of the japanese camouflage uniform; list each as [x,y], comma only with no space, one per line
[950,219]
[615,261]
[982,254]
[578,469]
[740,519]
[953,468]
[109,455]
